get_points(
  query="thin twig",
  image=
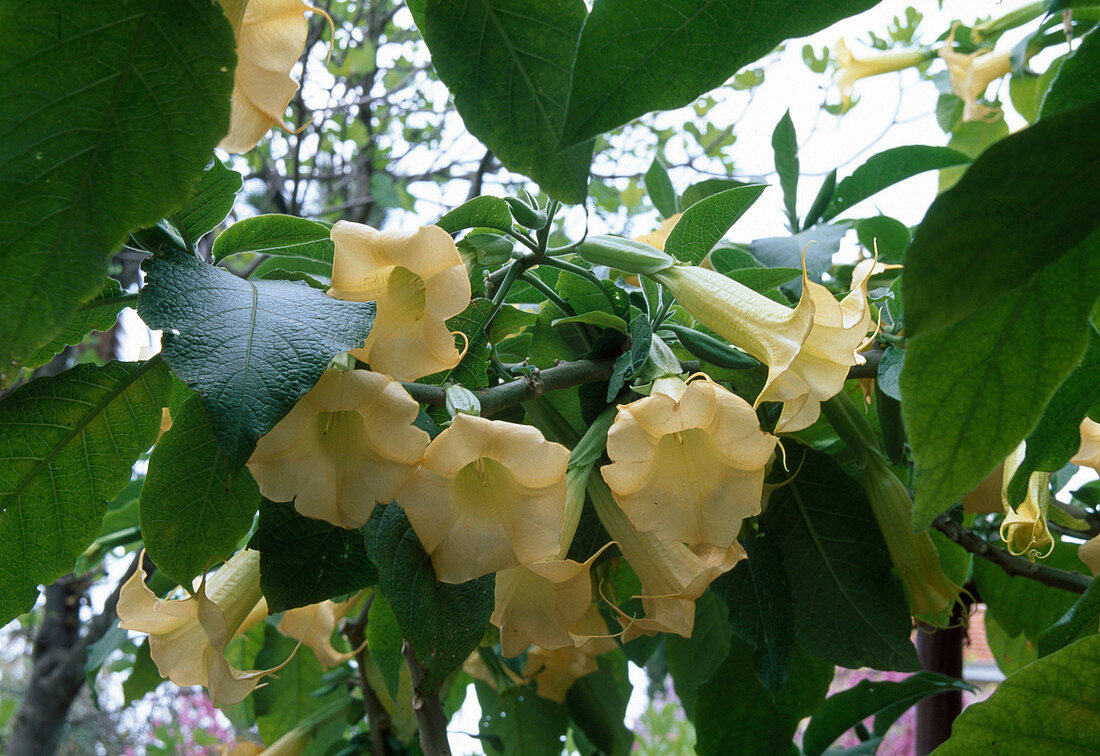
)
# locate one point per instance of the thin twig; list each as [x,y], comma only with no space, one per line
[431,721]
[377,718]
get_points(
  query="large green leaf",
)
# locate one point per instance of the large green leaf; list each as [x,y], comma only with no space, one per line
[507,63]
[215,192]
[519,721]
[1051,706]
[692,661]
[251,347]
[98,314]
[1027,201]
[849,608]
[287,699]
[707,221]
[193,509]
[597,705]
[442,622]
[304,561]
[1021,605]
[108,113]
[971,392]
[278,236]
[385,642]
[67,446]
[484,211]
[1076,83]
[636,57]
[736,715]
[886,169]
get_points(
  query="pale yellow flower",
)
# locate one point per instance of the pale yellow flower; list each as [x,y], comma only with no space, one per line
[417,280]
[314,625]
[348,444]
[986,497]
[188,637]
[1024,529]
[538,603]
[271,36]
[1088,454]
[851,68]
[553,671]
[1089,553]
[292,743]
[659,237]
[488,495]
[691,467]
[971,74]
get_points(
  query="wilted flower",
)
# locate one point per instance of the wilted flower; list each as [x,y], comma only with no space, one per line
[1024,529]
[690,467]
[852,68]
[313,625]
[346,445]
[488,495]
[417,280]
[971,73]
[271,35]
[188,637]
[1088,454]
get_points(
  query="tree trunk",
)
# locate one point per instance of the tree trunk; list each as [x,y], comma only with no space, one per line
[940,650]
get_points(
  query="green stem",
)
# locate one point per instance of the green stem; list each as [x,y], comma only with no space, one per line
[587,275]
[547,291]
[511,272]
[121,299]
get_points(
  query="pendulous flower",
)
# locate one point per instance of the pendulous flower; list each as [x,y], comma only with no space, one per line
[687,462]
[553,671]
[314,624]
[1024,528]
[271,36]
[852,68]
[188,637]
[417,280]
[1088,454]
[971,74]
[488,495]
[347,444]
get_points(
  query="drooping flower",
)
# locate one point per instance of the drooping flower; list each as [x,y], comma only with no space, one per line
[1089,553]
[188,637]
[690,467]
[488,495]
[1088,454]
[417,280]
[271,36]
[313,625]
[971,74]
[1024,528]
[553,671]
[851,68]
[348,444]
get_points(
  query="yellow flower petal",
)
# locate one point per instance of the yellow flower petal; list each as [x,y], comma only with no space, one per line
[971,74]
[1088,454]
[1024,529]
[188,637]
[488,495]
[852,68]
[553,671]
[314,625]
[1089,553]
[417,280]
[658,237]
[688,470]
[271,36]
[538,602]
[348,444]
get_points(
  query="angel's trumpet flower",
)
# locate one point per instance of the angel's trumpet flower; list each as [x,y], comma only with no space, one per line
[851,68]
[1024,529]
[1088,454]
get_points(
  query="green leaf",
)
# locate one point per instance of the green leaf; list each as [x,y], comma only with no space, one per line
[822,200]
[1048,707]
[817,245]
[705,188]
[1010,652]
[971,138]
[507,64]
[764,279]
[488,212]
[886,169]
[251,347]
[785,147]
[109,112]
[659,187]
[442,622]
[193,509]
[597,318]
[629,363]
[972,391]
[597,705]
[635,58]
[885,234]
[1075,84]
[707,221]
[1022,205]
[735,714]
[215,192]
[1057,437]
[98,314]
[518,721]
[846,709]
[144,676]
[304,561]
[472,371]
[692,661]
[761,608]
[849,607]
[280,236]
[384,641]
[67,447]
[1079,619]
[289,697]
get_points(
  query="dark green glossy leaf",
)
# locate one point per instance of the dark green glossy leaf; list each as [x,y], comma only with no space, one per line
[692,661]
[885,234]
[507,64]
[518,721]
[251,347]
[67,447]
[193,509]
[304,561]
[886,169]
[1076,83]
[821,201]
[98,314]
[1079,619]
[972,391]
[275,235]
[659,187]
[1022,205]
[288,698]
[703,189]
[849,608]
[109,111]
[707,221]
[442,622]
[629,363]
[785,147]
[487,212]
[213,198]
[636,57]
[144,676]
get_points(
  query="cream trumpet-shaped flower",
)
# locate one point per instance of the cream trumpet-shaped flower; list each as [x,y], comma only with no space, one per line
[417,280]
[271,36]
[488,495]
[971,73]
[553,671]
[1089,553]
[188,637]
[808,349]
[348,444]
[672,574]
[1024,529]
[1088,454]
[851,68]
[313,625]
[687,462]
